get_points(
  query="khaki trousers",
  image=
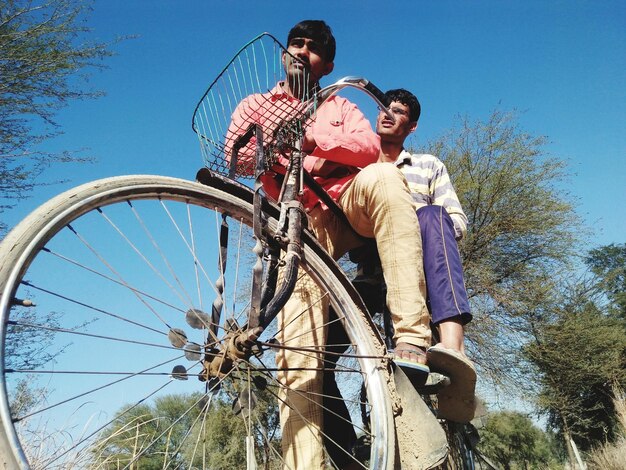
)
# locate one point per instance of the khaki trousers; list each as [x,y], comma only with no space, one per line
[377,204]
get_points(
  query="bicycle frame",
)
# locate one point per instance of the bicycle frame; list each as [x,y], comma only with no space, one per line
[175,237]
[267,299]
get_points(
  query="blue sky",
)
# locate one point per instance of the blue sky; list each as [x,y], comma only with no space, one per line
[562,63]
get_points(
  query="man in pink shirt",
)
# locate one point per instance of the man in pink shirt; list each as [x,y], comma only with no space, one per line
[341,150]
[338,140]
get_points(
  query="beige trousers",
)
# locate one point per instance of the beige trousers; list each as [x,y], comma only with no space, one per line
[377,204]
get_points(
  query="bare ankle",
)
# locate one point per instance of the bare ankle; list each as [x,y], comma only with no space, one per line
[452,337]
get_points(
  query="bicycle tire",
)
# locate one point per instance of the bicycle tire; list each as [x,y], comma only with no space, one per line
[75,312]
[461,454]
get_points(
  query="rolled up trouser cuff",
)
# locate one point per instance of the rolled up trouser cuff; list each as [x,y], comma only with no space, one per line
[415,341]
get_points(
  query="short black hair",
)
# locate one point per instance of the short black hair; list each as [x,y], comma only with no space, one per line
[408,99]
[319,31]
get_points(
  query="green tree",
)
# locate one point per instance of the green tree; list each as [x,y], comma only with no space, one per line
[612,455]
[149,434]
[182,431]
[608,263]
[580,356]
[522,229]
[512,440]
[43,47]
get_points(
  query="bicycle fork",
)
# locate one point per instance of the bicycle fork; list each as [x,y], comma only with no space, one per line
[266,300]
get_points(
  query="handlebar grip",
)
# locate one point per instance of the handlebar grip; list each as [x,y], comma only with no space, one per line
[374,90]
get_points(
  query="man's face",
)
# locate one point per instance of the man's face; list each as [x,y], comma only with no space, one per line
[395,131]
[310,56]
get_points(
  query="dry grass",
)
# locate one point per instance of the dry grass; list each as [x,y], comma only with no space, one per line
[612,456]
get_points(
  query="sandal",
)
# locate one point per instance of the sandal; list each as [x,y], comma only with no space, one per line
[412,368]
[457,401]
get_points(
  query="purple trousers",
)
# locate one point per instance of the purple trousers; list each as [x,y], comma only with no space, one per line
[447,297]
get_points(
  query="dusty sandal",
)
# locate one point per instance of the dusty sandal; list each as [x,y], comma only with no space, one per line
[412,368]
[457,401]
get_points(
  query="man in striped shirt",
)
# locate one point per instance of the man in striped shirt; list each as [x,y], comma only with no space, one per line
[442,223]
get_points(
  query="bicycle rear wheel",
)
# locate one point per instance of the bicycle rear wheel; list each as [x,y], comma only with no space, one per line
[104,294]
[460,438]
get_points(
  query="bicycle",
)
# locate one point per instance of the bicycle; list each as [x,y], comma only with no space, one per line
[130,324]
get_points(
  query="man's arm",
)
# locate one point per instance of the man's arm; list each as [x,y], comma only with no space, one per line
[343,135]
[270,110]
[243,116]
[444,195]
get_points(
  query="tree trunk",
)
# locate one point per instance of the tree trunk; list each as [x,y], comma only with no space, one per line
[570,452]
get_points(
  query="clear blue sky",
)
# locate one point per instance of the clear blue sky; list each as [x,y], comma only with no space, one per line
[562,62]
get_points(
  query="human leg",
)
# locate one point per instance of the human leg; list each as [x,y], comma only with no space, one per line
[301,325]
[447,296]
[450,309]
[378,204]
[451,335]
[304,320]
[339,434]
[443,270]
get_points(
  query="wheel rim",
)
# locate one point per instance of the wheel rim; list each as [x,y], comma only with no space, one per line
[108,348]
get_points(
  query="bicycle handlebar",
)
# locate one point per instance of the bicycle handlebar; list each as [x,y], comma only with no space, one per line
[355,82]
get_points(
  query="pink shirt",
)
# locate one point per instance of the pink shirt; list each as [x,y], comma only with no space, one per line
[345,141]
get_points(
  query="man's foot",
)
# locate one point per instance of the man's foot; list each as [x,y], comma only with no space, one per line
[412,360]
[457,401]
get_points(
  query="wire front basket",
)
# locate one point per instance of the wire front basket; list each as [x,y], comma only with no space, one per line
[250,91]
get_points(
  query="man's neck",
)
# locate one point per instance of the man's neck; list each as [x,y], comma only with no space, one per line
[389,152]
[299,91]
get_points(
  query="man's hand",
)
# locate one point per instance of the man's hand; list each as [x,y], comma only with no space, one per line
[308,142]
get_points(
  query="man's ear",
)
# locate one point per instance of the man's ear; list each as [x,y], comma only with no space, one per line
[329,67]
[412,126]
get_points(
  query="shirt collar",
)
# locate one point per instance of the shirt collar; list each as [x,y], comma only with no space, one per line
[279,93]
[403,159]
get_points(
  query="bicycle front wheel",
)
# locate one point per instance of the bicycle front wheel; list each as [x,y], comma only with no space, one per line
[105,294]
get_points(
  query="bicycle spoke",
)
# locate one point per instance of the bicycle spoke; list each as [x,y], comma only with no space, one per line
[184,298]
[308,398]
[113,333]
[120,278]
[91,307]
[81,395]
[85,439]
[89,335]
[164,432]
[189,247]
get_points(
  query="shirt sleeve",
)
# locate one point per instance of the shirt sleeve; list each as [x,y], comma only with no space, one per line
[241,119]
[343,135]
[444,195]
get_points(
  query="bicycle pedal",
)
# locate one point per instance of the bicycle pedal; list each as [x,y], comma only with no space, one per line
[434,383]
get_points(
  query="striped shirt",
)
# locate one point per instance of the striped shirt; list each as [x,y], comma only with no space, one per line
[430,185]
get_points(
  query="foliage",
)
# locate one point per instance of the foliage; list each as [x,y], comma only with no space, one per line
[144,432]
[608,263]
[522,230]
[24,397]
[512,440]
[182,431]
[611,456]
[224,430]
[42,49]
[29,347]
[579,356]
